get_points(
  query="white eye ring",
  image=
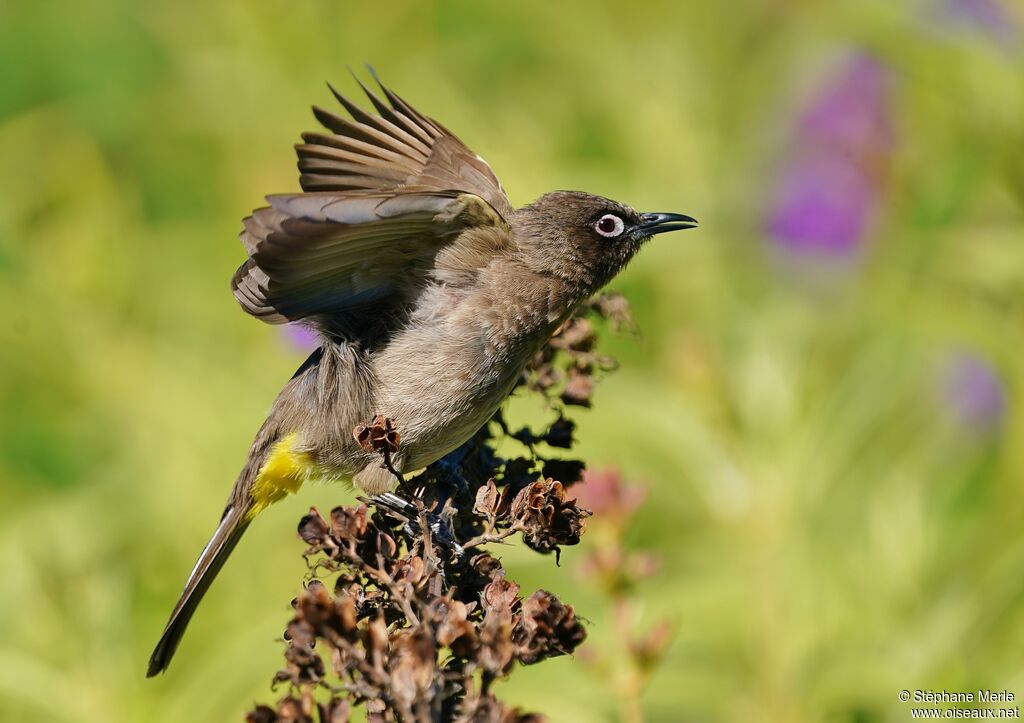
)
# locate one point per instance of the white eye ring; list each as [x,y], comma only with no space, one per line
[610,225]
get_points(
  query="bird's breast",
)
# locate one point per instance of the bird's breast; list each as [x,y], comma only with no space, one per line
[440,384]
[447,371]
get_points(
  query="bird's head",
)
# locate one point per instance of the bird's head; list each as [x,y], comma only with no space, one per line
[586,239]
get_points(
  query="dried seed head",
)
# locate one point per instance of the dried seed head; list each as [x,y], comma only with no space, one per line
[497,651]
[560,432]
[492,503]
[379,435]
[326,615]
[577,334]
[261,714]
[313,528]
[566,471]
[409,570]
[500,594]
[412,665]
[578,388]
[454,630]
[488,709]
[376,641]
[546,518]
[615,308]
[349,523]
[547,628]
[336,710]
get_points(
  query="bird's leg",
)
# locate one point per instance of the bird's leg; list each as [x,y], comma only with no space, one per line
[382,436]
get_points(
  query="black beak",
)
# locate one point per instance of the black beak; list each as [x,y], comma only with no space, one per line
[652,223]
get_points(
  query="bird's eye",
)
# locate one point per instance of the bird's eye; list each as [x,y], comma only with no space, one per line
[609,225]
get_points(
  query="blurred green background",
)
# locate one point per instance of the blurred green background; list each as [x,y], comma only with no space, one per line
[823,404]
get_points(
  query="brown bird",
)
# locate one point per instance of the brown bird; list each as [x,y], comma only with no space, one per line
[429,291]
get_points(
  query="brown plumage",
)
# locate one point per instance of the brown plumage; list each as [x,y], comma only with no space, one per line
[429,290]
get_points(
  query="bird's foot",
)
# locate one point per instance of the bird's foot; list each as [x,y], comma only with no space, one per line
[415,515]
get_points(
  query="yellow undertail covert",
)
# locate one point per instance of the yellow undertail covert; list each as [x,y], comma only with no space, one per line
[282,473]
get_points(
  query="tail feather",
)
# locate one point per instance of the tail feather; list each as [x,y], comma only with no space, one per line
[216,552]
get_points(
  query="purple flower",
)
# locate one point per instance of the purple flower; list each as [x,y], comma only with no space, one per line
[852,111]
[300,337]
[829,185]
[822,203]
[973,392]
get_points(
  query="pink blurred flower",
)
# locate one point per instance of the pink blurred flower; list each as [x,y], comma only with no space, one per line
[605,494]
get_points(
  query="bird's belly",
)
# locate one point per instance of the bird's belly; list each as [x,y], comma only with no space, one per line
[440,390]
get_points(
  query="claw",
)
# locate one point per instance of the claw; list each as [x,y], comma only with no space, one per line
[439,524]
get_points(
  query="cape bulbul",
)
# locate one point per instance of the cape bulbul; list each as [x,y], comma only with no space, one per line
[430,293]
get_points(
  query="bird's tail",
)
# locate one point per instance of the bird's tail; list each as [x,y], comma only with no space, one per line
[236,518]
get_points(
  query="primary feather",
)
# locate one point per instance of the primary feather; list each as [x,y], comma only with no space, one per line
[400,147]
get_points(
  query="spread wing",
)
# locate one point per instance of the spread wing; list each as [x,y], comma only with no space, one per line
[347,262]
[397,148]
[389,201]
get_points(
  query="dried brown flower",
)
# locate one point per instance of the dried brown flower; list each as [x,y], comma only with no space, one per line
[349,523]
[324,615]
[500,594]
[412,665]
[261,714]
[546,518]
[490,501]
[488,709]
[547,628]
[454,629]
[378,436]
[577,334]
[560,433]
[616,309]
[578,388]
[313,529]
[565,368]
[566,471]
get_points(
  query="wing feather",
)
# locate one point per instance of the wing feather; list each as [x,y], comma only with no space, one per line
[324,257]
[368,121]
[397,148]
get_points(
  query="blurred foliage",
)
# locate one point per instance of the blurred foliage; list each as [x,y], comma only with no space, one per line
[831,441]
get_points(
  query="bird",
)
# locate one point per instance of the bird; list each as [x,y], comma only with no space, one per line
[429,293]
